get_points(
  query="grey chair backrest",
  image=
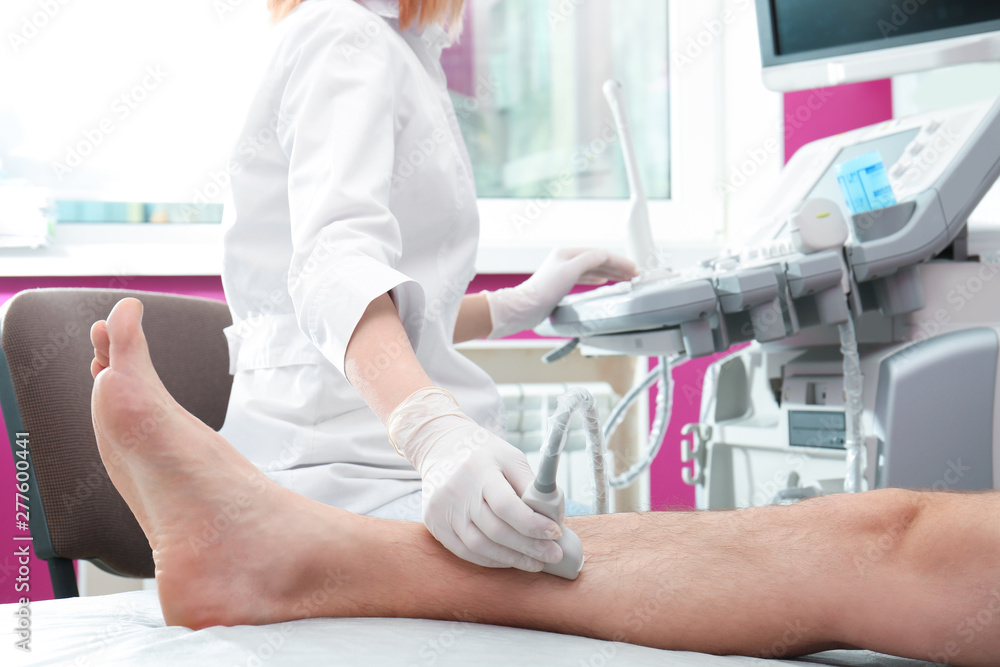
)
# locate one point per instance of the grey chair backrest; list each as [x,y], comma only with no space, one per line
[45,388]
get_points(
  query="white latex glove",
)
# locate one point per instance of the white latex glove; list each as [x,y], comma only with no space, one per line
[473,482]
[526,306]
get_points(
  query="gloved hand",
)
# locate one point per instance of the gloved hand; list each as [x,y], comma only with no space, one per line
[526,306]
[473,482]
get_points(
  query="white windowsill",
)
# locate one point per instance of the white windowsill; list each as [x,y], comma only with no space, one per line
[90,249]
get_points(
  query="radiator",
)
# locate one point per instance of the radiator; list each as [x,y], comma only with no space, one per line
[528,407]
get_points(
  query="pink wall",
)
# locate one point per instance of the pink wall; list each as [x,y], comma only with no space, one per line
[459,60]
[824,112]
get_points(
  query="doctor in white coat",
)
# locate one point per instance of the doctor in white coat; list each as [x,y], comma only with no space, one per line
[350,238]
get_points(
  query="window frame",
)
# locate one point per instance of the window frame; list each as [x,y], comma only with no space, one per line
[695,213]
[693,219]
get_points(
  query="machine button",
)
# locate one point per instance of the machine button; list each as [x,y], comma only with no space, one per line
[911,175]
[916,147]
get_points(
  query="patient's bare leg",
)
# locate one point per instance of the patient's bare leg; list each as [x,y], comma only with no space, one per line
[899,572]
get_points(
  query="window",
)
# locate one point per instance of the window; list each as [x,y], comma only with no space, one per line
[526,83]
[112,102]
[527,90]
[129,110]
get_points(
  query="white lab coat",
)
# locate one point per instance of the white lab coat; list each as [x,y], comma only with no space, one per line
[350,180]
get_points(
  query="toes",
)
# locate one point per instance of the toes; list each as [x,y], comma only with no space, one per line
[126,342]
[99,337]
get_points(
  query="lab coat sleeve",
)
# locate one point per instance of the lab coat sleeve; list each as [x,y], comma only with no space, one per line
[338,112]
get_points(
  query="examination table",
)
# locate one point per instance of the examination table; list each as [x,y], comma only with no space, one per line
[127,629]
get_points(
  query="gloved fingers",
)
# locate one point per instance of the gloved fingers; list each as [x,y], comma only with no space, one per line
[564,267]
[519,476]
[509,508]
[604,274]
[587,260]
[593,265]
[600,266]
[515,467]
[485,549]
[447,513]
[453,543]
[500,532]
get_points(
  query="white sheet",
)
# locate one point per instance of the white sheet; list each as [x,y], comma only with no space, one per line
[127,629]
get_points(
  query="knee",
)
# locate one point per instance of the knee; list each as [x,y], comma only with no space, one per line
[896,510]
[883,523]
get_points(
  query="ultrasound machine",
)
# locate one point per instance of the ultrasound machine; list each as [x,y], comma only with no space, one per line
[873,328]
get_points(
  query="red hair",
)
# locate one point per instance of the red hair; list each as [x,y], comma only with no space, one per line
[424,12]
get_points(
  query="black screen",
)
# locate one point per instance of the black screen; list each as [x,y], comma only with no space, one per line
[810,25]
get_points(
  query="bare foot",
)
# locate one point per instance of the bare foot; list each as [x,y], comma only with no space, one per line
[228,543]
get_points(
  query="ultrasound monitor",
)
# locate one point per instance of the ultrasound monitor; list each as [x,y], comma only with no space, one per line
[813,43]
